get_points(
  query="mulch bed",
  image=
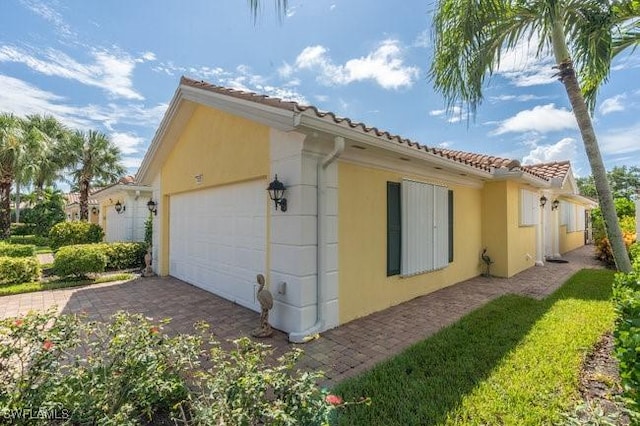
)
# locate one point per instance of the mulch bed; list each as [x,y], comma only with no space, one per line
[600,384]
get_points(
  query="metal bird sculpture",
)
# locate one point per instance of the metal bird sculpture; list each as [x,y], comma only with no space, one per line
[487,261]
[266,303]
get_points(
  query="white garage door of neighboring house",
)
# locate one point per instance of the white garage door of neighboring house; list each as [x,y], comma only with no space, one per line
[116,226]
[217,239]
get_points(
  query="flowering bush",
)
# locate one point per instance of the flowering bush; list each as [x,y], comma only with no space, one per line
[129,372]
[602,245]
[242,389]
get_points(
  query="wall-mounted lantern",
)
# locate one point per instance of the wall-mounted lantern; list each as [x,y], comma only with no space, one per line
[276,193]
[94,210]
[543,201]
[555,204]
[153,207]
[119,207]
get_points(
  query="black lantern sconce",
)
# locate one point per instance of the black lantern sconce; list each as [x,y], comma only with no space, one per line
[276,193]
[543,201]
[555,204]
[153,207]
[94,210]
[76,215]
[119,207]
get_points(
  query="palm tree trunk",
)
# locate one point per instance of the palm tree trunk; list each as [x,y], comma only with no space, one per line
[84,199]
[5,207]
[17,201]
[567,76]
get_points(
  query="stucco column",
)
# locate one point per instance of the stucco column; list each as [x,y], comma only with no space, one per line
[540,244]
[555,229]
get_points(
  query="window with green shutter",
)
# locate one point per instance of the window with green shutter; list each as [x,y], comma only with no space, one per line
[394,229]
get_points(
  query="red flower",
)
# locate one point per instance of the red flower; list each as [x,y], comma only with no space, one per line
[18,323]
[47,345]
[333,399]
[154,330]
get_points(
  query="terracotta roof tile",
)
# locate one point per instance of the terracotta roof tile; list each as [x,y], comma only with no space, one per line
[557,169]
[478,161]
[74,197]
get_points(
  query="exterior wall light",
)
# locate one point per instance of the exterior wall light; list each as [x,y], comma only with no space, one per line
[276,193]
[119,207]
[94,210]
[543,201]
[153,207]
[555,204]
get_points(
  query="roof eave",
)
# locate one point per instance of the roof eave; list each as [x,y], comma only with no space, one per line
[311,121]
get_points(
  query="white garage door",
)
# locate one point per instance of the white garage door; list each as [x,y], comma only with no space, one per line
[116,225]
[217,239]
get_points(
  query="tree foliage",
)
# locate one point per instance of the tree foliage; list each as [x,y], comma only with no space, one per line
[624,182]
[582,36]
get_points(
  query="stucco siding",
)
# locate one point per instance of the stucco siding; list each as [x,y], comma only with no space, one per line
[570,240]
[362,228]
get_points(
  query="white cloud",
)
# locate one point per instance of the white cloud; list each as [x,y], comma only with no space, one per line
[285,70]
[517,98]
[612,104]
[454,115]
[127,142]
[332,7]
[423,39]
[445,144]
[541,119]
[109,71]
[282,93]
[385,65]
[321,98]
[522,66]
[147,57]
[131,162]
[564,149]
[22,98]
[49,14]
[621,141]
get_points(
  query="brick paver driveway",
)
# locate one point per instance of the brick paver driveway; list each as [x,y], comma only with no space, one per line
[341,352]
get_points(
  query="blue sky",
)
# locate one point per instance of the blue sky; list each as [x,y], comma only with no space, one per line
[114,65]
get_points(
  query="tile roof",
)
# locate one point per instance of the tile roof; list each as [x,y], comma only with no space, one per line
[74,197]
[478,161]
[557,169]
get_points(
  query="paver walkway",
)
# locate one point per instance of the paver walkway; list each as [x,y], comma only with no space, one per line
[341,352]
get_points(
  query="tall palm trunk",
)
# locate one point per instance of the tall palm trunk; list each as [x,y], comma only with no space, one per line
[17,201]
[567,76]
[5,206]
[84,199]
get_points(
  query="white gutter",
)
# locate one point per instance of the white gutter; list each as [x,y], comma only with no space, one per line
[321,281]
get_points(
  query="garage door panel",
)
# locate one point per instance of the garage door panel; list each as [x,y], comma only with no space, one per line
[218,239]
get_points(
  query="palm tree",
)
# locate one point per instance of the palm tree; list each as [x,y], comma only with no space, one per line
[91,156]
[583,35]
[281,8]
[11,134]
[40,163]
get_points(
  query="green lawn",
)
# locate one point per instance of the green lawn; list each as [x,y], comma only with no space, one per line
[52,285]
[515,361]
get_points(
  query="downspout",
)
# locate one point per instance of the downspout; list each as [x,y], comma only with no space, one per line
[321,254]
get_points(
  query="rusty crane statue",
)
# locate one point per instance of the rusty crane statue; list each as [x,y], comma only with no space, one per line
[266,303]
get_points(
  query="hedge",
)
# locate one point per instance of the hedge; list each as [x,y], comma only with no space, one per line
[16,270]
[76,232]
[626,297]
[16,250]
[79,260]
[35,240]
[116,255]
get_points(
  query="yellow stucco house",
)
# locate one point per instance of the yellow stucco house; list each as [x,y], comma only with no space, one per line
[371,219]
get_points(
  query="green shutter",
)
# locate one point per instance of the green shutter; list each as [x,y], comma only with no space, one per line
[450,226]
[393,228]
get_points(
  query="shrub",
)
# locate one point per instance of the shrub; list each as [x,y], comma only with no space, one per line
[148,230]
[16,250]
[77,232]
[602,245]
[21,229]
[127,372]
[634,252]
[79,260]
[626,297]
[35,240]
[16,270]
[123,255]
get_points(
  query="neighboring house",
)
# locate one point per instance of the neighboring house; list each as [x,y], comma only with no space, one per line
[72,207]
[123,208]
[372,219]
